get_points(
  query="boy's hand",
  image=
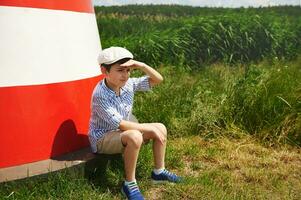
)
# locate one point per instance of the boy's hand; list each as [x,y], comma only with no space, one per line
[133,64]
[154,76]
[152,132]
[149,131]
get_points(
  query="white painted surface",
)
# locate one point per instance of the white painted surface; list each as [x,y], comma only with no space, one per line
[40,46]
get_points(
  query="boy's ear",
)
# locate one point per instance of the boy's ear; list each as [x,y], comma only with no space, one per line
[103,70]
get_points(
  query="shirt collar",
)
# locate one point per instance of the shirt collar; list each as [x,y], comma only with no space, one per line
[110,91]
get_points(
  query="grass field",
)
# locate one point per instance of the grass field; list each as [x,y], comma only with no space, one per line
[194,37]
[217,161]
[234,121]
[218,168]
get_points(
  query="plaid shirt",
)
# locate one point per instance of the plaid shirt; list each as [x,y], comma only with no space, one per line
[108,109]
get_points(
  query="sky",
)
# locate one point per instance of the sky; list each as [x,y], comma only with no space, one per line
[202,3]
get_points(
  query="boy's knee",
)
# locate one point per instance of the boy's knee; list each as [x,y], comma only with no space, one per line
[162,128]
[135,138]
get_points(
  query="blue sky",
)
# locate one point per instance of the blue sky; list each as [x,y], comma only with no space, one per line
[210,3]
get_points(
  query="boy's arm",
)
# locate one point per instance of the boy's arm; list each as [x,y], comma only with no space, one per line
[154,76]
[144,128]
[128,125]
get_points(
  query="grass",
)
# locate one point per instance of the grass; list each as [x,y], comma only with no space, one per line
[235,169]
[183,35]
[234,130]
[229,71]
[262,100]
[217,154]
[218,168]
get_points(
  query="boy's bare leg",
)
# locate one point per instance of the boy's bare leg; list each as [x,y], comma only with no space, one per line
[132,139]
[158,147]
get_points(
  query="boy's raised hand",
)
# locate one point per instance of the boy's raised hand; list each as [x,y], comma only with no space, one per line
[133,64]
[154,76]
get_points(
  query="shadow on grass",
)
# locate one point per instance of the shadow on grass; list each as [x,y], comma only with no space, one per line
[105,172]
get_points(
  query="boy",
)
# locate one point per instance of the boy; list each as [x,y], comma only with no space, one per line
[110,129]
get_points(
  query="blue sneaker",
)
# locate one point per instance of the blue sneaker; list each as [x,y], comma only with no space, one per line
[165,176]
[132,191]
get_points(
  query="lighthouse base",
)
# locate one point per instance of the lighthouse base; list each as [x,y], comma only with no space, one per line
[45,166]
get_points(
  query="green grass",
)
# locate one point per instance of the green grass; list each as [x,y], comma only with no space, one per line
[220,168]
[197,36]
[262,100]
[256,91]
[234,129]
[218,154]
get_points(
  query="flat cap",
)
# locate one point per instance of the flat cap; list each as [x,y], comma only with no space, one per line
[113,54]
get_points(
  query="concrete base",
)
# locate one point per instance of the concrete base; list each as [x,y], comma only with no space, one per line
[45,166]
[49,165]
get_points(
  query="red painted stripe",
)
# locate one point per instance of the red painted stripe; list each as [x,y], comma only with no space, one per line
[74,5]
[40,122]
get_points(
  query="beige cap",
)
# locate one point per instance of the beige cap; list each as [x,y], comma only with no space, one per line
[113,54]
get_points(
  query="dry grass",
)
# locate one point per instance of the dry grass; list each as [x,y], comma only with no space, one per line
[219,168]
[237,169]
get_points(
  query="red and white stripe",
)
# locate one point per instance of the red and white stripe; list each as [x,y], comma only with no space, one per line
[48,69]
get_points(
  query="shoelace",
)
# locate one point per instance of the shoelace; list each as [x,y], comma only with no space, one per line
[170,175]
[133,188]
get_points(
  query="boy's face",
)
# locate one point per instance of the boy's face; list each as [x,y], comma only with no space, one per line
[117,76]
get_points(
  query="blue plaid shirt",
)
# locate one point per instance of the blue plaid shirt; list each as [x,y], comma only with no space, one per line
[108,109]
